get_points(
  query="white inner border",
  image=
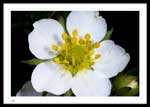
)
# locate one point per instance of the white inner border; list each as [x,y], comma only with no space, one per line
[141,99]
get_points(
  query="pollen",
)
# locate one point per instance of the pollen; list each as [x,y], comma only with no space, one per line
[65,36]
[75,32]
[97,56]
[73,40]
[54,47]
[87,37]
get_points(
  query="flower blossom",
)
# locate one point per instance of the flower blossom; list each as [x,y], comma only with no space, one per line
[80,61]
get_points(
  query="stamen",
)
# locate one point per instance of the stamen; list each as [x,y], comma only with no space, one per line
[75,33]
[92,63]
[65,36]
[91,52]
[97,56]
[54,47]
[57,60]
[73,40]
[76,54]
[66,61]
[96,44]
[88,42]
[81,41]
[87,37]
[64,46]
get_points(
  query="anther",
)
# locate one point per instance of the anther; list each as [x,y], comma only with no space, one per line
[64,46]
[97,56]
[81,41]
[54,47]
[56,60]
[87,37]
[73,40]
[92,63]
[64,36]
[75,33]
[88,42]
[91,52]
[96,44]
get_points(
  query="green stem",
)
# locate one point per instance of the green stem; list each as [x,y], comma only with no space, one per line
[35,61]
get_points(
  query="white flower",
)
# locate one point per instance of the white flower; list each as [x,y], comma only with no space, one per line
[80,62]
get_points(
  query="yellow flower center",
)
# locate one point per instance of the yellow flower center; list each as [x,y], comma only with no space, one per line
[76,54]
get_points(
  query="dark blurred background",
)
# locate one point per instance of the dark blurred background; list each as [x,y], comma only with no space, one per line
[125,34]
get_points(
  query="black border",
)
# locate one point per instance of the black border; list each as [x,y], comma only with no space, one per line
[102,1]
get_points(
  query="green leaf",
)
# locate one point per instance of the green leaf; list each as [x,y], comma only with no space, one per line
[108,35]
[68,93]
[127,91]
[34,61]
[134,71]
[123,91]
[123,80]
[126,85]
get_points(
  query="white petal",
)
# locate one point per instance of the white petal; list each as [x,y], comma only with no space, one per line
[39,46]
[105,48]
[48,77]
[90,84]
[46,32]
[113,61]
[87,22]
